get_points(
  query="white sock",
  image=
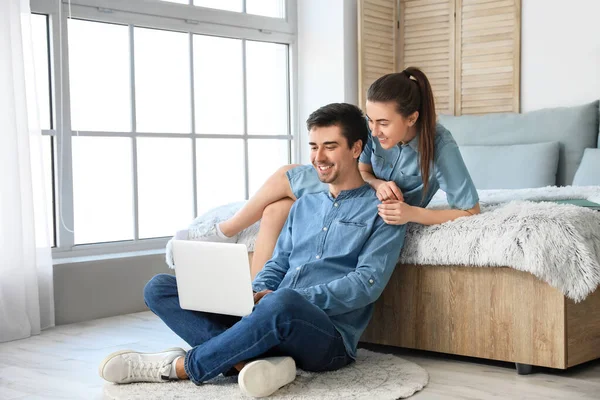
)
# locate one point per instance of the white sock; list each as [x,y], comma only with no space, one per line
[220,233]
[173,373]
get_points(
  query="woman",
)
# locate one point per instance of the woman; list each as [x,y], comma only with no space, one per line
[406,160]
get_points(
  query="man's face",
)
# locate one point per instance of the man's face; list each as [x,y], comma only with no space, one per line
[330,154]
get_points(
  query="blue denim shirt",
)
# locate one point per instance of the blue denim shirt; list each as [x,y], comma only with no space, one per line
[337,253]
[401,165]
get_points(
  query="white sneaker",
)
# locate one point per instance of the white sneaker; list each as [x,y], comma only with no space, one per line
[264,377]
[127,366]
[213,236]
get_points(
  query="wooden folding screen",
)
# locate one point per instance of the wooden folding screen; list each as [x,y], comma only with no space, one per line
[377,42]
[469,49]
[488,44]
[426,41]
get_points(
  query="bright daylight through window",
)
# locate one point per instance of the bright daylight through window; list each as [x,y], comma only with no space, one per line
[154,112]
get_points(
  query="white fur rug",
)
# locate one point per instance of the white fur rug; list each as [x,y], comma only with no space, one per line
[559,244]
[373,376]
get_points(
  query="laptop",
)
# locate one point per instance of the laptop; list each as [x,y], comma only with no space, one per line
[213,277]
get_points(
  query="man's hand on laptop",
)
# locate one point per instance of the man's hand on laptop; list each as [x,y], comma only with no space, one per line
[260,295]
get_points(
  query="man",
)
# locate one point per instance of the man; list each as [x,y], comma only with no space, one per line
[313,299]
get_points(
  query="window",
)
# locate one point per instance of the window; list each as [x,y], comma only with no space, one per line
[158,117]
[102,189]
[266,8]
[228,5]
[39,35]
[99,76]
[41,65]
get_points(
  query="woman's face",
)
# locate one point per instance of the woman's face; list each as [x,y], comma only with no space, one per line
[387,125]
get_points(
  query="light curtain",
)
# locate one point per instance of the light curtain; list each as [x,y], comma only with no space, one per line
[26,292]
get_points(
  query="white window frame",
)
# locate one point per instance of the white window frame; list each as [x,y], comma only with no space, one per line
[160,15]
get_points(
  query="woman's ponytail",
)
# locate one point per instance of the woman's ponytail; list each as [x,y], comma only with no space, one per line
[427,120]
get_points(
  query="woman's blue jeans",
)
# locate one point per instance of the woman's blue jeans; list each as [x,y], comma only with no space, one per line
[282,323]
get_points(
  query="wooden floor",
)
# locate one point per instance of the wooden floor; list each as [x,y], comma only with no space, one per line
[62,363]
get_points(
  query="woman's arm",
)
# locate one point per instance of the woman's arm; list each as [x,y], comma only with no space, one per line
[425,216]
[366,171]
[400,213]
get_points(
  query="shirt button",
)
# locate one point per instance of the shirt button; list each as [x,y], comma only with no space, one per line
[335,204]
[318,256]
[371,281]
[325,228]
[297,268]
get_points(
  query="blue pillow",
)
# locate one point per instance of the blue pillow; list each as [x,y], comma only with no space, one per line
[588,173]
[576,128]
[516,166]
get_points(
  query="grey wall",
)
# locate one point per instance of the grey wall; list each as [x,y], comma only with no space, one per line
[103,288]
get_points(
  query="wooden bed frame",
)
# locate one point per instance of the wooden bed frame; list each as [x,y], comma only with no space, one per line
[492,313]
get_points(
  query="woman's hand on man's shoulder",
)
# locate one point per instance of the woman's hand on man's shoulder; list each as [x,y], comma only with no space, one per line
[388,190]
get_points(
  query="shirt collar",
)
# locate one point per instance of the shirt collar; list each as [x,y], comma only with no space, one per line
[413,143]
[347,194]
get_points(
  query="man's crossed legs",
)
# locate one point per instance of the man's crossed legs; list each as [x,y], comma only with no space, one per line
[283,323]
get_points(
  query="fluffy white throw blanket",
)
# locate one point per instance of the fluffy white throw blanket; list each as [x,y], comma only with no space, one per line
[559,244]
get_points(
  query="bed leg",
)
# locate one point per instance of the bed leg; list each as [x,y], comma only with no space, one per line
[524,369]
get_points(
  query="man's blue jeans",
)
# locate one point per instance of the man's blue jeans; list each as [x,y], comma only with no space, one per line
[282,323]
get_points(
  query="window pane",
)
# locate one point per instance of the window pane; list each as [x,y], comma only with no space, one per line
[266,8]
[228,5]
[102,189]
[41,64]
[218,86]
[220,172]
[99,76]
[165,185]
[48,185]
[162,81]
[267,88]
[264,157]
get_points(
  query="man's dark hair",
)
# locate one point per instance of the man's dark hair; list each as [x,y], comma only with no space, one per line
[347,117]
